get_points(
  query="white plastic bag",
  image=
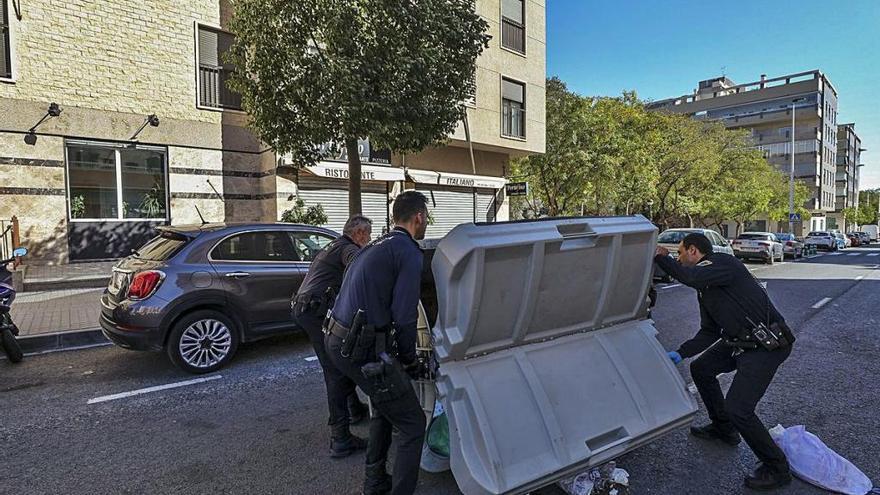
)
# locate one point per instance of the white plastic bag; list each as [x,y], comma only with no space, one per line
[814,462]
[605,480]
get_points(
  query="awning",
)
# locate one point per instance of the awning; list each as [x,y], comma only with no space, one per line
[450,179]
[334,170]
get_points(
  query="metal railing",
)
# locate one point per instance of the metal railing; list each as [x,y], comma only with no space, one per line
[513,121]
[213,91]
[10,237]
[513,35]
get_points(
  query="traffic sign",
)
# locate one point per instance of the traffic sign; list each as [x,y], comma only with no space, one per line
[794,217]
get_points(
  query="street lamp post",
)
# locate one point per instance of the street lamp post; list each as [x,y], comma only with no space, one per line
[791,171]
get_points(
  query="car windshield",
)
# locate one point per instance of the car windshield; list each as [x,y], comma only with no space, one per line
[163,247]
[754,237]
[818,234]
[673,236]
[785,237]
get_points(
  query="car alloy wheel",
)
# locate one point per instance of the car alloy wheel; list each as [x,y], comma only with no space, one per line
[205,343]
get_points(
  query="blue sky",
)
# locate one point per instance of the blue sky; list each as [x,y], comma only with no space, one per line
[662,48]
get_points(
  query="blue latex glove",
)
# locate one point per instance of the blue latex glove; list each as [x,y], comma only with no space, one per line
[674,356]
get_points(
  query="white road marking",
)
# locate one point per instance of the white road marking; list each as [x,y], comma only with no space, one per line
[671,286]
[835,254]
[854,254]
[873,254]
[312,358]
[821,303]
[860,277]
[157,388]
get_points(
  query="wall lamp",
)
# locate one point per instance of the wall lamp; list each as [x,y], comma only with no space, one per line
[53,111]
[151,120]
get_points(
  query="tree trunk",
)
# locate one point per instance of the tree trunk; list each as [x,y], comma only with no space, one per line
[354,176]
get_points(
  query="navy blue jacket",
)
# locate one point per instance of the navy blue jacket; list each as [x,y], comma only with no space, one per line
[327,268]
[383,280]
[729,297]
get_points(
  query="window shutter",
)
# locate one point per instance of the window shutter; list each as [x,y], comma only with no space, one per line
[5,62]
[513,10]
[512,91]
[208,47]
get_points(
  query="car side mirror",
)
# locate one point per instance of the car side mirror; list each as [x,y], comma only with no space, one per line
[19,252]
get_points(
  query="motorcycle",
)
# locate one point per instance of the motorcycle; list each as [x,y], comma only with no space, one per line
[8,329]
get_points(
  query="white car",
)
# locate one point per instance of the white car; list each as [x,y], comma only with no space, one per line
[822,240]
[761,245]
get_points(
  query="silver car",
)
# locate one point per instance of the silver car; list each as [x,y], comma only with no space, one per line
[759,245]
[671,238]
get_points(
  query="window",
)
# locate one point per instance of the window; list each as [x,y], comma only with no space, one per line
[308,244]
[513,109]
[163,247]
[110,182]
[255,246]
[5,48]
[513,25]
[214,71]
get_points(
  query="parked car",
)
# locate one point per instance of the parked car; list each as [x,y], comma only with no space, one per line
[872,231]
[843,241]
[761,245]
[854,238]
[791,245]
[866,240]
[196,292]
[822,240]
[671,238]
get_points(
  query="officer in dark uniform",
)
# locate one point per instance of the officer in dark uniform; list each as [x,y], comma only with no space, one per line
[315,296]
[734,310]
[371,337]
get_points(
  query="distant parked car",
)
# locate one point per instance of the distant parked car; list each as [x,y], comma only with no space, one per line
[872,231]
[854,238]
[822,240]
[843,241]
[671,238]
[198,291]
[866,240]
[761,245]
[791,245]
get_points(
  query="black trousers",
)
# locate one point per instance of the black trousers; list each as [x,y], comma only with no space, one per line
[340,388]
[754,372]
[404,413]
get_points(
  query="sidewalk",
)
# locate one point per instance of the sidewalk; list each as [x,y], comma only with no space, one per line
[53,311]
[38,278]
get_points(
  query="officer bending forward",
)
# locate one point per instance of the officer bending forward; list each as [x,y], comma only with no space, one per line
[315,296]
[371,337]
[740,330]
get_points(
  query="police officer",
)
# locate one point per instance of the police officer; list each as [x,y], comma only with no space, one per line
[383,282]
[732,306]
[314,297]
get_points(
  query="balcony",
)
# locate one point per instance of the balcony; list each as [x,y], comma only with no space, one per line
[513,121]
[213,90]
[513,35]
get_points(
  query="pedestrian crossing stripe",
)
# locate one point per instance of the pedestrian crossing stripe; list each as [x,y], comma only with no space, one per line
[854,254]
[834,254]
[874,254]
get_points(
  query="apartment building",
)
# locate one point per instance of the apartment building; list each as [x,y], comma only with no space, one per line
[802,106]
[115,118]
[849,150]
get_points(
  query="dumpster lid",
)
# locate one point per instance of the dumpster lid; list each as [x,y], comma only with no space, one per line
[512,283]
[547,363]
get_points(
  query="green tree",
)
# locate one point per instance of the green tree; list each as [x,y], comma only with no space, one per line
[313,215]
[318,71]
[869,202]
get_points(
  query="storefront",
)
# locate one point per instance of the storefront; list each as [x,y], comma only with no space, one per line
[454,199]
[326,184]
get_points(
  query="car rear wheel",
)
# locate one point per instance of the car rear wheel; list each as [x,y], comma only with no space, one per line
[202,341]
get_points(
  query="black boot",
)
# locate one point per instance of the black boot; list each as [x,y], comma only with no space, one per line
[357,410]
[377,481]
[711,431]
[766,478]
[343,443]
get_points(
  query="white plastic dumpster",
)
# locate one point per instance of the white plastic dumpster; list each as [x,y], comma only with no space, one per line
[547,363]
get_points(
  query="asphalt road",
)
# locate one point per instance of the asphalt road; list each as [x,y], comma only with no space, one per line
[258,426]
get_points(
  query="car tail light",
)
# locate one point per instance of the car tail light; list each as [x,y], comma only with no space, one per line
[789,243]
[765,243]
[143,284]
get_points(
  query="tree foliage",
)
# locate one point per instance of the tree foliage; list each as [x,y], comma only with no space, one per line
[317,71]
[612,156]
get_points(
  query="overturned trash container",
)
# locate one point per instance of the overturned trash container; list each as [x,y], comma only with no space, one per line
[547,364]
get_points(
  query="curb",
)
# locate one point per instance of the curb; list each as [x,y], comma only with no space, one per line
[39,285]
[35,344]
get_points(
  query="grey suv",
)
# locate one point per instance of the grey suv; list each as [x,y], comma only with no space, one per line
[198,291]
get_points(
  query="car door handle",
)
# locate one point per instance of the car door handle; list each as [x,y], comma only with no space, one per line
[238,274]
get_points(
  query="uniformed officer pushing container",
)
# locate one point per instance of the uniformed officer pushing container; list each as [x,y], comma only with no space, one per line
[740,330]
[371,338]
[315,296]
